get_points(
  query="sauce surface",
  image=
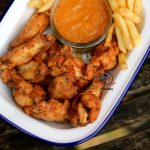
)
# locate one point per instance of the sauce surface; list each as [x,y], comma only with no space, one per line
[81,21]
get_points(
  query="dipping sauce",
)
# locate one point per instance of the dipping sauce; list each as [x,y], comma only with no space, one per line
[82,21]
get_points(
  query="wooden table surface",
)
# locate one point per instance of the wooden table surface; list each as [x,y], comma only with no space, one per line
[128,129]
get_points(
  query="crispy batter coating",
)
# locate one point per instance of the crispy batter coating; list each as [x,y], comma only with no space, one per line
[57,56]
[86,106]
[52,110]
[6,78]
[35,71]
[66,70]
[57,51]
[104,58]
[62,61]
[62,87]
[62,65]
[25,52]
[45,55]
[35,26]
[25,94]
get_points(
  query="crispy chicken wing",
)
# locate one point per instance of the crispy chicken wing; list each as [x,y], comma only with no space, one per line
[62,87]
[35,71]
[52,110]
[62,61]
[104,58]
[35,26]
[62,65]
[86,106]
[25,94]
[25,52]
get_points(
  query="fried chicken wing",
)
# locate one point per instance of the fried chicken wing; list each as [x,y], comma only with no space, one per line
[104,58]
[52,110]
[62,87]
[35,26]
[25,52]
[86,106]
[62,61]
[25,94]
[62,65]
[35,71]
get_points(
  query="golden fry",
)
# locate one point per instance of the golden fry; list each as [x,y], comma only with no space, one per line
[129,14]
[122,3]
[35,3]
[42,5]
[138,7]
[109,35]
[113,4]
[133,32]
[120,22]
[130,4]
[45,1]
[122,61]
[120,40]
[46,6]
[35,26]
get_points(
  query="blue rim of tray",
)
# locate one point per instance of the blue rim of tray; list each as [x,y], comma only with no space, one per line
[6,9]
[104,122]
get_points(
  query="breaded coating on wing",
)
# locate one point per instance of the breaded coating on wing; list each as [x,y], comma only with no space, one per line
[35,26]
[52,110]
[86,106]
[25,52]
[35,71]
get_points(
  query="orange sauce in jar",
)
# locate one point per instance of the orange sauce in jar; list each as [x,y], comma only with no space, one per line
[82,21]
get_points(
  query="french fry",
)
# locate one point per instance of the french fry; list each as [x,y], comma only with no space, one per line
[122,61]
[120,40]
[130,4]
[35,3]
[46,6]
[129,14]
[109,35]
[133,32]
[120,22]
[45,1]
[137,7]
[113,4]
[122,3]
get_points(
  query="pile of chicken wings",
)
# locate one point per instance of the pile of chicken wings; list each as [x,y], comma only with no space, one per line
[48,82]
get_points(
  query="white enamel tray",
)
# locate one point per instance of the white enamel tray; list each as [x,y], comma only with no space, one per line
[56,133]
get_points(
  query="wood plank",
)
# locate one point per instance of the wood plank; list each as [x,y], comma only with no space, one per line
[116,134]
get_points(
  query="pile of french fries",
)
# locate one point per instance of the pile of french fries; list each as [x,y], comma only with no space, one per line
[41,5]
[127,15]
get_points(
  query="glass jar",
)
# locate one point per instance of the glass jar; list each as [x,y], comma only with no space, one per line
[85,46]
